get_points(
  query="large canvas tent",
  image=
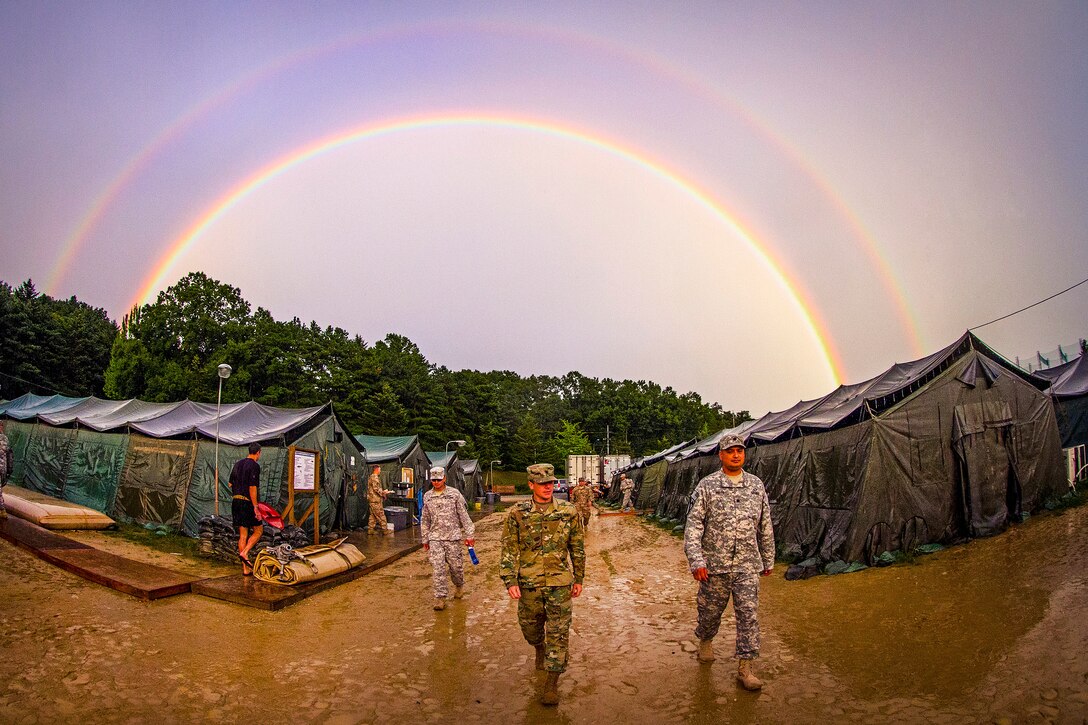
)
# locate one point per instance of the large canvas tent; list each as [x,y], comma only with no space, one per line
[394,453]
[952,446]
[1069,390]
[456,474]
[474,477]
[155,463]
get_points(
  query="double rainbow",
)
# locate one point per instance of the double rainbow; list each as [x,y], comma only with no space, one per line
[792,288]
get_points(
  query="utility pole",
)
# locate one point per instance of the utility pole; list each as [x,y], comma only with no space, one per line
[607,440]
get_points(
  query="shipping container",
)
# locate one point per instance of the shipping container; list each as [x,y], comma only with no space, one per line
[590,467]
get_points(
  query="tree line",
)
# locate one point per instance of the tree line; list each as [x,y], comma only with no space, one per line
[169,350]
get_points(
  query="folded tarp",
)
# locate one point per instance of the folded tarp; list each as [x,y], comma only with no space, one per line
[310,563]
[50,513]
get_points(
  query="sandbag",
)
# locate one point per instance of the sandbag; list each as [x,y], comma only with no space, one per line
[51,513]
[307,564]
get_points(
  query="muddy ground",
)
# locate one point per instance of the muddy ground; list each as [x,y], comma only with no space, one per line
[992,631]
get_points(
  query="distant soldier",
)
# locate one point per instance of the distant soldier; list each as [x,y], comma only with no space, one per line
[7,461]
[543,564]
[444,524]
[582,498]
[626,487]
[375,498]
[729,543]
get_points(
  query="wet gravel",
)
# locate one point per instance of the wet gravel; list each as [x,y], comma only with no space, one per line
[993,631]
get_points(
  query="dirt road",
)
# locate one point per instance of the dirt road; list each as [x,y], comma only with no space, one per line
[996,630]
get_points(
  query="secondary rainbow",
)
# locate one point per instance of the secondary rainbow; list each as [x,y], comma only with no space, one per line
[326,145]
[635,56]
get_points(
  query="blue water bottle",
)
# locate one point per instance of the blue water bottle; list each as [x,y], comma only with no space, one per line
[472,555]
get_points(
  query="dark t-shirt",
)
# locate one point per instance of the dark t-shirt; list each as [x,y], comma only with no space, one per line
[246,473]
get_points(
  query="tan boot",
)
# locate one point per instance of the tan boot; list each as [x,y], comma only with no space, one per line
[551,690]
[706,651]
[458,592]
[540,657]
[746,677]
[439,604]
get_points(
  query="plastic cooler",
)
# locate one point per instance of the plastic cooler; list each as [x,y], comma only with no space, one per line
[398,516]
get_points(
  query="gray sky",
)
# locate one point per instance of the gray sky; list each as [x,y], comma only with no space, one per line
[753,202]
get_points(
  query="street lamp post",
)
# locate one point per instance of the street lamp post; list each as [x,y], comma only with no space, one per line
[491,475]
[224,373]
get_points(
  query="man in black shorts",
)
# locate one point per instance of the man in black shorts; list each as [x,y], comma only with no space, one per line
[244,479]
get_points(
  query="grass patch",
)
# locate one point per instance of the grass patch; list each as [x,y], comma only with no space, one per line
[159,539]
[517,479]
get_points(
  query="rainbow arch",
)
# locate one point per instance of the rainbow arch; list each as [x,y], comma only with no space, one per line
[155,280]
[636,56]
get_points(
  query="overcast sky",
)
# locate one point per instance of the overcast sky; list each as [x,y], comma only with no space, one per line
[752,201]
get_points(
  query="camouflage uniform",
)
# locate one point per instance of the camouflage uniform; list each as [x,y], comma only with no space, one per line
[627,486]
[728,532]
[582,498]
[535,549]
[444,524]
[5,446]
[375,497]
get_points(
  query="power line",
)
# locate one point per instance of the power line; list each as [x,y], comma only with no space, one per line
[999,319]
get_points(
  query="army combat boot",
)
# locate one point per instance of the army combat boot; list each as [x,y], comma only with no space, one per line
[458,592]
[540,657]
[746,678]
[551,690]
[439,604]
[706,651]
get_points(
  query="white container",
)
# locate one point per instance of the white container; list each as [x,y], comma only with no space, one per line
[390,527]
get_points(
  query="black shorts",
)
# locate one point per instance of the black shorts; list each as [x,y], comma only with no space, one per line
[242,514]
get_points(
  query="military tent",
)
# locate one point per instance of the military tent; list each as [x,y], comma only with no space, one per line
[402,460]
[955,445]
[1069,391]
[474,477]
[456,473]
[155,463]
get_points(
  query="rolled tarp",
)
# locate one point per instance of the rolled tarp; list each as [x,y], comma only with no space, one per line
[284,565]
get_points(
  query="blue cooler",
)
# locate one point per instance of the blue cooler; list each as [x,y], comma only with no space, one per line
[398,516]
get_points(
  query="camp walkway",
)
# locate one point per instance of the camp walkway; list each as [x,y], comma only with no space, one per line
[149,582]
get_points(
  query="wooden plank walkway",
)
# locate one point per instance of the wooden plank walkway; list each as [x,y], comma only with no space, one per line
[144,581]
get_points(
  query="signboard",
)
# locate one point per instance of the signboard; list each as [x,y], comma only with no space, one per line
[304,476]
[304,471]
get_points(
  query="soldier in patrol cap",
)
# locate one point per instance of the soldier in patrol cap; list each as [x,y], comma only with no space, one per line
[729,544]
[443,525]
[543,563]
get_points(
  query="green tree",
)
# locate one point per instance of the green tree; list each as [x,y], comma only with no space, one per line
[569,440]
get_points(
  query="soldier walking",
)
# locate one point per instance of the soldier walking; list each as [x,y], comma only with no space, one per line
[444,524]
[543,563]
[375,498]
[582,498]
[729,544]
[626,486]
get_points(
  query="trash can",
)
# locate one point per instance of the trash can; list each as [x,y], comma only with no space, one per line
[397,516]
[492,497]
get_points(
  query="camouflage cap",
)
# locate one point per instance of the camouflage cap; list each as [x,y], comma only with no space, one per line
[437,473]
[541,473]
[730,441]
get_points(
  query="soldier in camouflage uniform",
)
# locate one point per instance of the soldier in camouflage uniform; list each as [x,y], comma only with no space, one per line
[375,498]
[444,524]
[582,498]
[626,486]
[5,468]
[729,543]
[539,538]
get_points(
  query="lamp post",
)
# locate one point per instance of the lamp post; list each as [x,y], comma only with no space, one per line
[457,443]
[491,475]
[224,373]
